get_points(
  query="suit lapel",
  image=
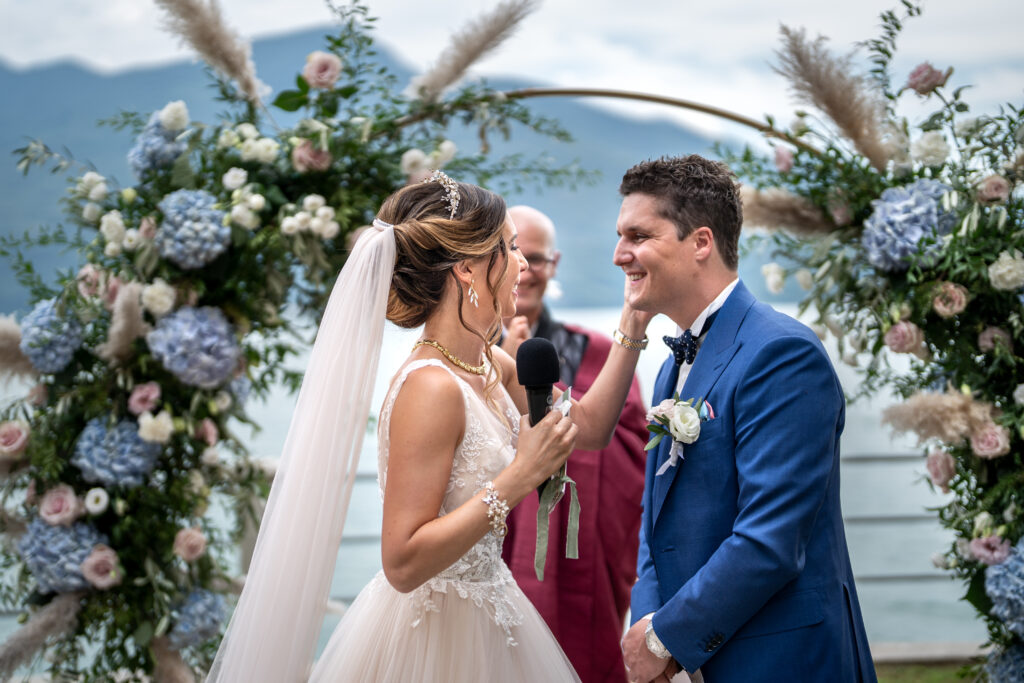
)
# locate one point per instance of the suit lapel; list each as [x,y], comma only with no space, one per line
[718,348]
[668,377]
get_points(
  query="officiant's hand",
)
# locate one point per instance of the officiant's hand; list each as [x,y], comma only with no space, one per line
[642,666]
[516,332]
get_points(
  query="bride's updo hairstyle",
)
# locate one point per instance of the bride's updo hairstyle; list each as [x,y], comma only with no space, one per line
[428,243]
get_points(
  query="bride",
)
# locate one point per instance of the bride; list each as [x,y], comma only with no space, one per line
[455,454]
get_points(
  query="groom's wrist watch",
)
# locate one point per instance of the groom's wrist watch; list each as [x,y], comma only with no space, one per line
[654,643]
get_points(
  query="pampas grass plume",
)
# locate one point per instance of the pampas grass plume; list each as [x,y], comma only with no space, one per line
[126,325]
[13,363]
[476,39]
[779,209]
[949,417]
[54,619]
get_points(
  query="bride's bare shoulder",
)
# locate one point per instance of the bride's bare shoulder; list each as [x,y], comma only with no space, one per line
[429,411]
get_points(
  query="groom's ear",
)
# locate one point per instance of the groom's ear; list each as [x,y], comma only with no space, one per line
[703,243]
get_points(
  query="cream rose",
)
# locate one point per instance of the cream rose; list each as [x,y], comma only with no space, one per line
[684,424]
[994,189]
[13,439]
[990,441]
[663,409]
[322,70]
[189,544]
[774,277]
[158,298]
[112,227]
[931,149]
[102,568]
[1007,271]
[60,506]
[156,429]
[950,299]
[91,212]
[174,116]
[234,178]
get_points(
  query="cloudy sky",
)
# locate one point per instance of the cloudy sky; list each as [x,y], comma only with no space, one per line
[714,52]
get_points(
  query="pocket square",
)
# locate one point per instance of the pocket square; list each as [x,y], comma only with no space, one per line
[706,412]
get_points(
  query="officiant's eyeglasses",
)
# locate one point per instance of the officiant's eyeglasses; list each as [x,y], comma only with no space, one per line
[538,261]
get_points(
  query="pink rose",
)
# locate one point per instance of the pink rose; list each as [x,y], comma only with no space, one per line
[110,292]
[207,431]
[990,441]
[89,279]
[926,78]
[991,336]
[13,439]
[144,398]
[990,549]
[994,188]
[102,568]
[904,337]
[322,70]
[147,228]
[783,159]
[60,506]
[950,299]
[189,544]
[941,468]
[308,157]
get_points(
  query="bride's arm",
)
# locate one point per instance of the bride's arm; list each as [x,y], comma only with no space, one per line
[598,411]
[427,423]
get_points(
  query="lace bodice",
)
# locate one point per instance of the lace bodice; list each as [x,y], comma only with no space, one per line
[487,447]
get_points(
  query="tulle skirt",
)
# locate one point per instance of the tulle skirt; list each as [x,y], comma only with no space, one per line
[389,636]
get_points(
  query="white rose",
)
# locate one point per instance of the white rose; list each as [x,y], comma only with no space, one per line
[446,152]
[91,212]
[156,429]
[228,138]
[96,501]
[174,116]
[249,150]
[243,215]
[256,202]
[158,298]
[313,202]
[289,225]
[413,161]
[330,231]
[132,240]
[89,180]
[303,219]
[685,424]
[112,250]
[1007,272]
[247,131]
[210,456]
[267,150]
[939,561]
[774,277]
[112,226]
[98,192]
[235,177]
[804,279]
[325,212]
[983,524]
[1018,394]
[930,149]
[317,225]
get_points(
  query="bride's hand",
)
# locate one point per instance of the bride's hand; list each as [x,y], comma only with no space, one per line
[633,322]
[544,447]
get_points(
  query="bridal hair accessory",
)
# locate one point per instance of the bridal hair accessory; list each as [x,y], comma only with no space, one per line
[474,298]
[451,190]
[473,369]
[497,510]
[381,225]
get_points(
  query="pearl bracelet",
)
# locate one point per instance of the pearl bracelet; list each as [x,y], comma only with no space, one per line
[497,510]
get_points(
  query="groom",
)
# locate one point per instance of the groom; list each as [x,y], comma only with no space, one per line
[743,570]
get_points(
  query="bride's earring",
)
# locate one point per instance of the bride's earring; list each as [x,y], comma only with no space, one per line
[473,297]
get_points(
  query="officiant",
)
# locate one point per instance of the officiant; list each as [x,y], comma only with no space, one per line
[583,601]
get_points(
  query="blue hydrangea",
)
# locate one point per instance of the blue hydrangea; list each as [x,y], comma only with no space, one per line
[156,147]
[902,216]
[197,345]
[114,457]
[193,232]
[1004,583]
[1006,666]
[54,554]
[198,619]
[48,338]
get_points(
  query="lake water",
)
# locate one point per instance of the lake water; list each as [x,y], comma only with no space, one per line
[885,499]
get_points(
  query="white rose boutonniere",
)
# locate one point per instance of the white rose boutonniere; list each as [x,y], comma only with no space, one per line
[680,421]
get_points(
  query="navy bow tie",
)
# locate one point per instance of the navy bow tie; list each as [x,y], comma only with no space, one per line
[684,347]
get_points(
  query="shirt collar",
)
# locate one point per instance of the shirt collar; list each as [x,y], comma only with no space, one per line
[716,304]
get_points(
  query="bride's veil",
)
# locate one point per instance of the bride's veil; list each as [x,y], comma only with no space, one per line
[274,630]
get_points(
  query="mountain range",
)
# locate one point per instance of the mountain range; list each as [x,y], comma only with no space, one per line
[61,103]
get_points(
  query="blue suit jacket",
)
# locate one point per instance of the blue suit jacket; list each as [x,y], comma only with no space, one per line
[743,556]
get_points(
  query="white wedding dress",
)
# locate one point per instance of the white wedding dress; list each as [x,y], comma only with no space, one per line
[471,622]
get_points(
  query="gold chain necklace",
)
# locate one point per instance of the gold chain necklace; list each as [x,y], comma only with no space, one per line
[474,369]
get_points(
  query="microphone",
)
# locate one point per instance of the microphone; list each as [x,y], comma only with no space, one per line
[537,370]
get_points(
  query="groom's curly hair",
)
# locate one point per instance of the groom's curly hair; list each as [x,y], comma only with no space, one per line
[693,192]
